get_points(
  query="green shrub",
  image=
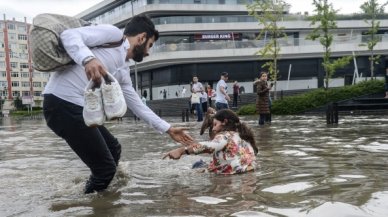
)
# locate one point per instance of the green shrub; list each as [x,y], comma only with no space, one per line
[317,98]
[25,113]
[247,110]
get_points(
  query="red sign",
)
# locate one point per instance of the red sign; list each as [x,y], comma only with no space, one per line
[216,36]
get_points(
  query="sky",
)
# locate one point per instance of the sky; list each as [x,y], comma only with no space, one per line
[19,9]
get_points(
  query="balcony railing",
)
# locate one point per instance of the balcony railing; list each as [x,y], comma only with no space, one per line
[353,41]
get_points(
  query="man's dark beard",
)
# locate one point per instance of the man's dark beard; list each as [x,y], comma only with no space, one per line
[139,51]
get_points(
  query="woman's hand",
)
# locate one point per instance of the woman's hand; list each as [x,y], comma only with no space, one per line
[175,154]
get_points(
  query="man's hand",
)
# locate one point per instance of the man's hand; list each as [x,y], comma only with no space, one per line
[227,97]
[95,70]
[179,135]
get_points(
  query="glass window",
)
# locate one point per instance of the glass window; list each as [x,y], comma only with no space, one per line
[12,36]
[15,74]
[11,26]
[13,55]
[25,84]
[22,37]
[2,54]
[13,46]
[3,84]
[3,74]
[36,84]
[15,93]
[24,65]
[23,46]
[14,64]
[25,93]
[2,64]
[37,93]
[15,84]
[22,28]
[23,56]
[25,74]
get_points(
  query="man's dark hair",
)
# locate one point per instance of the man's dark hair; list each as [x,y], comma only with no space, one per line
[139,24]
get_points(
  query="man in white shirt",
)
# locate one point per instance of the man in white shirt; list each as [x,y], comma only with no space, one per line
[222,96]
[63,95]
[184,92]
[197,89]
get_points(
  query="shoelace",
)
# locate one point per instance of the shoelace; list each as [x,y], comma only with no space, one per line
[108,95]
[92,100]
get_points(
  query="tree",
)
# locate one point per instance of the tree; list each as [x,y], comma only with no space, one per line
[269,13]
[324,22]
[372,9]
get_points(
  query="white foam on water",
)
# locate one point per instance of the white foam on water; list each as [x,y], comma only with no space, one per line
[288,188]
[310,149]
[74,211]
[337,180]
[302,175]
[353,176]
[128,202]
[377,205]
[176,216]
[360,139]
[289,212]
[309,158]
[374,147]
[208,200]
[251,214]
[134,194]
[293,153]
[336,209]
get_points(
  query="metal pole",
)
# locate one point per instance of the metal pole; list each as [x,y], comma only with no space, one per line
[288,79]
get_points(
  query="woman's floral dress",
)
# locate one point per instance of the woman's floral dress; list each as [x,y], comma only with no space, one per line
[231,154]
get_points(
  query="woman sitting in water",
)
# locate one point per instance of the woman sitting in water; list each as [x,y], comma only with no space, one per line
[233,147]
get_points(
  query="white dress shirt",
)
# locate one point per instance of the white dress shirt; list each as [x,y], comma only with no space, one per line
[70,83]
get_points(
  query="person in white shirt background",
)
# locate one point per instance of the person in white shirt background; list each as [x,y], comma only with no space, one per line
[222,96]
[63,95]
[197,88]
[184,92]
[204,101]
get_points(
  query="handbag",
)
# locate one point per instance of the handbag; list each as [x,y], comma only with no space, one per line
[195,98]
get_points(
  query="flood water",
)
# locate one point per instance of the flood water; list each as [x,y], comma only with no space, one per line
[306,169]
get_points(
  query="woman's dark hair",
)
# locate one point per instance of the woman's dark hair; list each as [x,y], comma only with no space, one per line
[233,124]
[139,24]
[262,73]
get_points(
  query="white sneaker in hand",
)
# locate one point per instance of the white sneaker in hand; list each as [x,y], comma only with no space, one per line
[113,98]
[93,112]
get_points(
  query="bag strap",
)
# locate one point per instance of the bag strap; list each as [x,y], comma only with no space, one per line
[112,44]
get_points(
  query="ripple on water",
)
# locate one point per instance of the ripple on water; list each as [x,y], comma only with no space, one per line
[288,188]
[208,200]
[251,214]
[374,147]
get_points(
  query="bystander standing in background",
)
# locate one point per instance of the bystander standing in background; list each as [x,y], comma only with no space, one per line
[222,97]
[236,90]
[262,100]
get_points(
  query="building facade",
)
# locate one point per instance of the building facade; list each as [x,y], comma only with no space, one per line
[17,77]
[207,37]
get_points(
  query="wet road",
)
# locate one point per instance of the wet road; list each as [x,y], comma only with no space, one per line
[306,169]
